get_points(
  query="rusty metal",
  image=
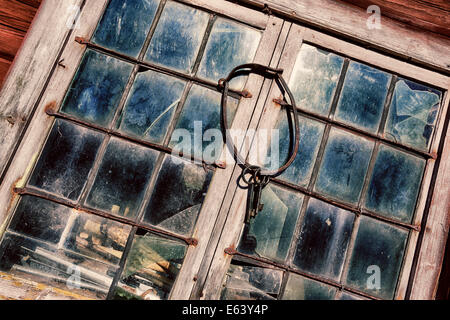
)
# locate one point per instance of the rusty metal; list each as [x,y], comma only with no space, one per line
[357,131]
[233,252]
[146,65]
[217,164]
[30,191]
[345,206]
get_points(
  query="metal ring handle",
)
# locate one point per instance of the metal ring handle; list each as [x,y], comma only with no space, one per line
[270,73]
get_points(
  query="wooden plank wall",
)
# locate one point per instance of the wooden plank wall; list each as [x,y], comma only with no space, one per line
[15,20]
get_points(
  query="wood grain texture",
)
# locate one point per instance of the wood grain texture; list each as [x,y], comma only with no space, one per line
[433,16]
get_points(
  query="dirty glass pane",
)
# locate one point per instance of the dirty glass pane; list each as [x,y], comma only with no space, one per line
[344,166]
[151,268]
[363,96]
[314,79]
[299,172]
[97,88]
[66,160]
[376,258]
[348,296]
[394,184]
[198,130]
[230,44]
[324,238]
[123,175]
[151,105]
[63,248]
[412,114]
[251,283]
[178,195]
[301,288]
[125,24]
[177,37]
[270,233]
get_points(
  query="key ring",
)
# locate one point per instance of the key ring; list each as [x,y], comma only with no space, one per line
[258,172]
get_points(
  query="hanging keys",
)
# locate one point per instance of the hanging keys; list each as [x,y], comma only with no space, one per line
[256,184]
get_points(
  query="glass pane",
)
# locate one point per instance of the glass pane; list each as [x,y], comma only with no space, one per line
[66,160]
[344,166]
[363,96]
[150,106]
[125,24]
[178,196]
[251,283]
[299,172]
[324,238]
[412,114]
[314,79]
[198,131]
[376,258]
[394,184]
[122,177]
[270,233]
[301,288]
[348,296]
[151,268]
[230,44]
[59,247]
[97,88]
[177,37]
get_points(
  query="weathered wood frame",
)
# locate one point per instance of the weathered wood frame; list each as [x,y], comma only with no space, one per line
[39,78]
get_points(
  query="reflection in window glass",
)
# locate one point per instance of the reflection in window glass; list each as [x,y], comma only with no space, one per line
[251,283]
[200,118]
[125,24]
[299,172]
[178,196]
[230,44]
[177,37]
[270,233]
[344,166]
[121,180]
[301,288]
[97,88]
[412,114]
[378,251]
[151,268]
[394,184]
[151,105]
[66,160]
[363,96]
[324,238]
[314,79]
[58,247]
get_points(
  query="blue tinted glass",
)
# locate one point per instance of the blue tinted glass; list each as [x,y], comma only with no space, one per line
[314,79]
[270,233]
[150,105]
[363,96]
[178,37]
[230,44]
[122,177]
[344,166]
[301,288]
[323,241]
[378,251]
[198,130]
[394,184]
[178,196]
[311,133]
[412,114]
[66,160]
[125,24]
[97,88]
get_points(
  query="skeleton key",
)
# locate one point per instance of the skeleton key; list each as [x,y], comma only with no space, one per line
[257,205]
[250,201]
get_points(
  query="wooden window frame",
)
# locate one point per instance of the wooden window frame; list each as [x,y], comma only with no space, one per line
[50,56]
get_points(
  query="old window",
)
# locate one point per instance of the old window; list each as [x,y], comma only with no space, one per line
[107,209]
